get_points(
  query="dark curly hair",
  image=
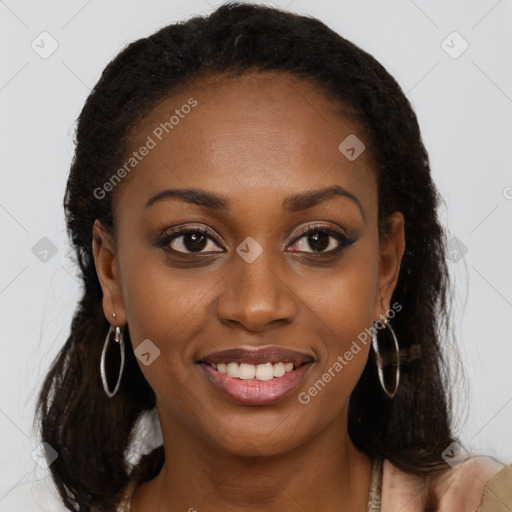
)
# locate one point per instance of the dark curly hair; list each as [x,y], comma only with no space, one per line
[91,432]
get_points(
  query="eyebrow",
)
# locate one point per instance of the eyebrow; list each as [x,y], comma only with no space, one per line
[291,204]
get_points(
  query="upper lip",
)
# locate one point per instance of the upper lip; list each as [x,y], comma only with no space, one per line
[270,354]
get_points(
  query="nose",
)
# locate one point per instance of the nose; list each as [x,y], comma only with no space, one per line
[258,295]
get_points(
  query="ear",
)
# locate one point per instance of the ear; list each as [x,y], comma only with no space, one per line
[107,269]
[392,248]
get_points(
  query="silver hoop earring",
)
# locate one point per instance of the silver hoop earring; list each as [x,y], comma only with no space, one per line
[388,368]
[118,338]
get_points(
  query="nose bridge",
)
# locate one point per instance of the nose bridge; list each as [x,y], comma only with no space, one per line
[256,294]
[256,269]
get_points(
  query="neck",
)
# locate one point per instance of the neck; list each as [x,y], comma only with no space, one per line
[327,473]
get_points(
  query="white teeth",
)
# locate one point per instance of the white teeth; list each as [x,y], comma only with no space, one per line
[245,371]
[233,369]
[265,371]
[279,369]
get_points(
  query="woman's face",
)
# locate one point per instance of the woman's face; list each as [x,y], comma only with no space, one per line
[259,151]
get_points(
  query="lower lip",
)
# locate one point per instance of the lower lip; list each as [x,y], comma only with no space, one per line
[253,391]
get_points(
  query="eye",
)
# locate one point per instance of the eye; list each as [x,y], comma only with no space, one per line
[322,239]
[195,239]
[188,240]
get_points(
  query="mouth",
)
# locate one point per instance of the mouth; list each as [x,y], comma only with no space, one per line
[256,377]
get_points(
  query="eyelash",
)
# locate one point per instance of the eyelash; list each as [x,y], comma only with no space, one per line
[342,239]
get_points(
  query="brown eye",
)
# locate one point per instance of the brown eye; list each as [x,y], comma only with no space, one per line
[322,239]
[188,241]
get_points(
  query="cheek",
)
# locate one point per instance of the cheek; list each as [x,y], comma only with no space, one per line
[342,297]
[166,306]
[160,301]
[342,311]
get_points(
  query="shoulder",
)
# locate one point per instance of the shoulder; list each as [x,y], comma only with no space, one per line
[464,487]
[473,486]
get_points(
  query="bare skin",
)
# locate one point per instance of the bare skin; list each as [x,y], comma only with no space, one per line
[254,140]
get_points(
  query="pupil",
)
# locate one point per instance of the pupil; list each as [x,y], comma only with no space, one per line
[315,238]
[198,242]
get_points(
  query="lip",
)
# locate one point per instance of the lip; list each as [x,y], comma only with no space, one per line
[270,354]
[253,391]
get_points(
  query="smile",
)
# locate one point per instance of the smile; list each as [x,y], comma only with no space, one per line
[256,377]
[263,372]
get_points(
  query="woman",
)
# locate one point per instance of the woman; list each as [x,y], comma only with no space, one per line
[252,210]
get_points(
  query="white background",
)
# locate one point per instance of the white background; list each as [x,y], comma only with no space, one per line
[464,106]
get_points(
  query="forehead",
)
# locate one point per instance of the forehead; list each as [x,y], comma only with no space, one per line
[267,133]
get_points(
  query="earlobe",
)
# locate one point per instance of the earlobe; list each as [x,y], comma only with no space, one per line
[108,273]
[392,248]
